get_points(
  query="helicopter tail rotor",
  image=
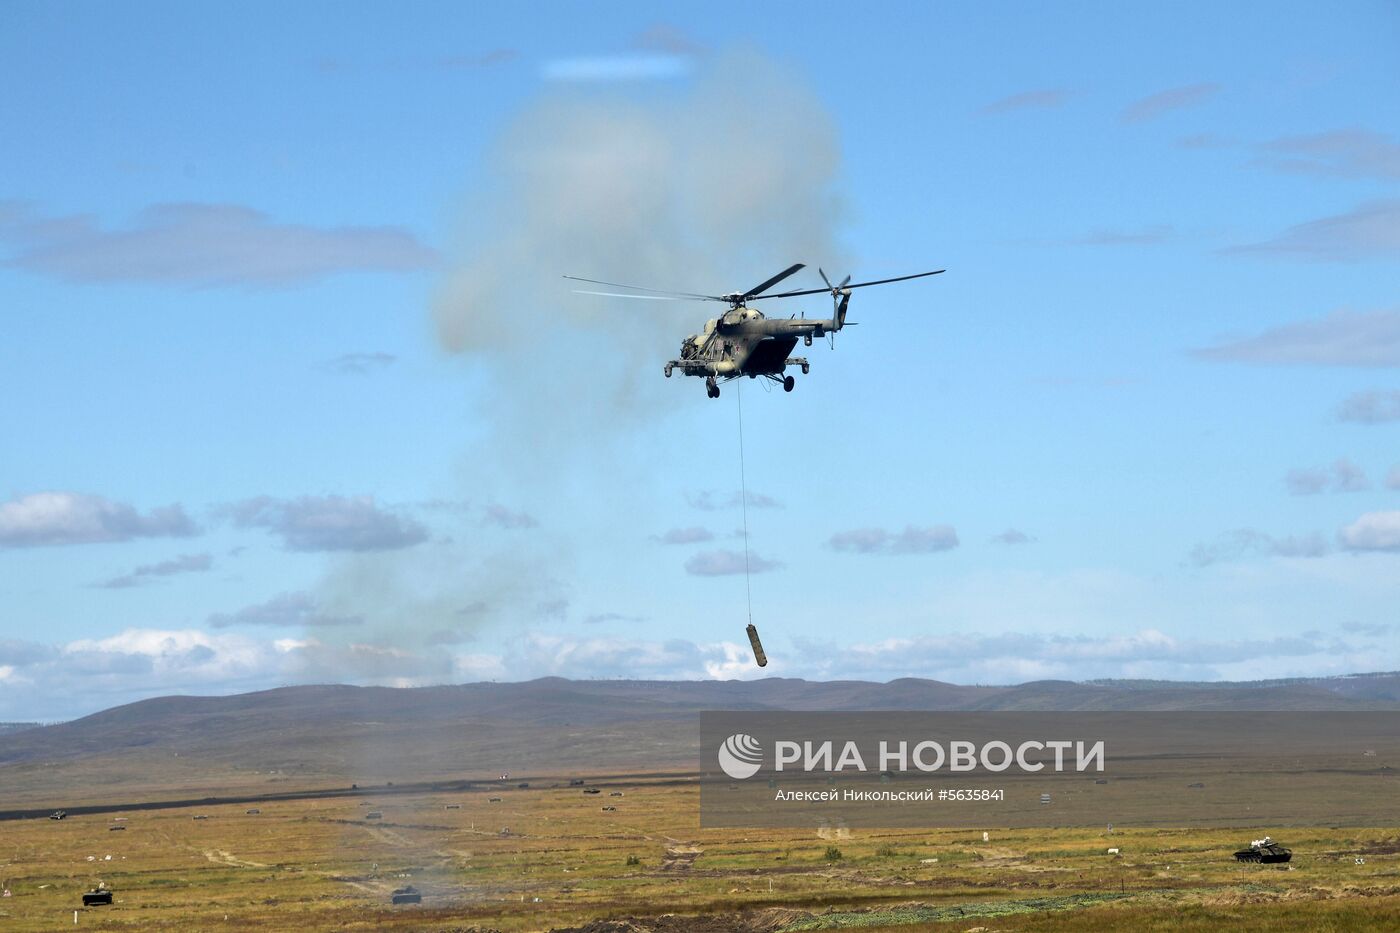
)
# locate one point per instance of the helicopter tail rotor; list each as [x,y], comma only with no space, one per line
[840,299]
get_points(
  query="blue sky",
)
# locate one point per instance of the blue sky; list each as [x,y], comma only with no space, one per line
[295,392]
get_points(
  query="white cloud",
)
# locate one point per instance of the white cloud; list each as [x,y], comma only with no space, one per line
[694,535]
[48,518]
[184,563]
[1042,99]
[725,563]
[912,540]
[1352,153]
[708,501]
[1374,531]
[508,518]
[1373,407]
[1344,476]
[202,244]
[360,364]
[1341,338]
[1368,231]
[1153,106]
[1245,542]
[611,68]
[1015,657]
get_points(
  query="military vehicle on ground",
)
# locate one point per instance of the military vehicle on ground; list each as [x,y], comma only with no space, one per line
[407,895]
[1264,850]
[97,896]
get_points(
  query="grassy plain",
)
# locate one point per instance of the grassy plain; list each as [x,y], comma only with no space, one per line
[551,857]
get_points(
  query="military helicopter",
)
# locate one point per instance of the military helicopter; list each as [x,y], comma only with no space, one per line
[741,341]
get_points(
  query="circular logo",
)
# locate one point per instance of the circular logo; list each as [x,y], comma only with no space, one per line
[740,756]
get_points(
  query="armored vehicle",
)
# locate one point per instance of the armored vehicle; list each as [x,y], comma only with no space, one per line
[1264,850]
[407,895]
[97,896]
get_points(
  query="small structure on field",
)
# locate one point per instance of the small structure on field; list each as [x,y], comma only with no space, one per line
[407,894]
[374,815]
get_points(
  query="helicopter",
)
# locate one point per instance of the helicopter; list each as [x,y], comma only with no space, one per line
[742,341]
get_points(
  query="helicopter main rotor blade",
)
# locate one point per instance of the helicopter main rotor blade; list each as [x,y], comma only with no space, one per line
[654,291]
[795,267]
[580,291]
[820,291]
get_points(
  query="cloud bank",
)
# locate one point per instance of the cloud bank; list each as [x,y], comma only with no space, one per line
[1368,231]
[1177,98]
[53,518]
[185,563]
[1365,339]
[202,244]
[912,540]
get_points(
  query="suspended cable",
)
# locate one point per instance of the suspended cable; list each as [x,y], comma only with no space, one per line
[758,654]
[744,498]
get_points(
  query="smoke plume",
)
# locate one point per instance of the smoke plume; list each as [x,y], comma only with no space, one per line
[709,188]
[710,185]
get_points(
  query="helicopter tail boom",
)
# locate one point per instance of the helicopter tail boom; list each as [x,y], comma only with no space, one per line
[839,319]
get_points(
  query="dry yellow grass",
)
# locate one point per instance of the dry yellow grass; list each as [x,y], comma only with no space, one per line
[320,865]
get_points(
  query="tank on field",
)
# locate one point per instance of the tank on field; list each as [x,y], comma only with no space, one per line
[1264,850]
[97,896]
[408,894]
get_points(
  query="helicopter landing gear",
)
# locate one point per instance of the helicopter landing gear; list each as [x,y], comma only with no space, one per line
[711,388]
[788,383]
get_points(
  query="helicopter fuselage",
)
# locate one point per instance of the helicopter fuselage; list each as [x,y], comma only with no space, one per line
[742,342]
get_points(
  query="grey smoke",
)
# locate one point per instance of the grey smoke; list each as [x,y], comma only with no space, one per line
[709,182]
[605,184]
[286,610]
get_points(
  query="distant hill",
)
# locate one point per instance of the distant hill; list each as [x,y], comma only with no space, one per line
[305,735]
